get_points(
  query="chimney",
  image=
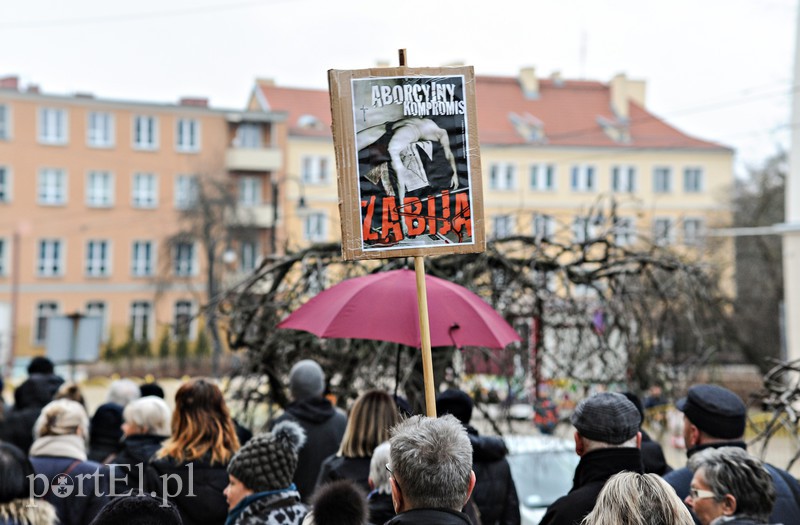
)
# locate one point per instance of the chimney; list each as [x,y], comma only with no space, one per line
[529,82]
[624,91]
[33,88]
[265,81]
[198,102]
[11,82]
[558,80]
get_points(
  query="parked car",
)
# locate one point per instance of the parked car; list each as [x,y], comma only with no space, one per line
[542,467]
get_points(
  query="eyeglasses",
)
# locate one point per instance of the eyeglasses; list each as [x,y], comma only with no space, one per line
[389,469]
[701,494]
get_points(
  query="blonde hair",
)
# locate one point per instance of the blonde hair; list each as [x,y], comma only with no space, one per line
[368,424]
[630,498]
[151,414]
[62,417]
[201,424]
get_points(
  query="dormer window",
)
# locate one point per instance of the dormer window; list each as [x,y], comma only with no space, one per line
[617,130]
[309,121]
[528,126]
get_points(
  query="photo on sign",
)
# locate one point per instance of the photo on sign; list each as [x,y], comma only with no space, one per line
[412,149]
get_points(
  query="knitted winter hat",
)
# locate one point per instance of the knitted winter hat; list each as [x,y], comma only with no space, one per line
[268,461]
[306,380]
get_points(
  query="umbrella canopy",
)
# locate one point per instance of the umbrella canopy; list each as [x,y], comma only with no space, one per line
[383,307]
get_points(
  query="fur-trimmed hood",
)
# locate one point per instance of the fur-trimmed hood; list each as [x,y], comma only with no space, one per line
[21,512]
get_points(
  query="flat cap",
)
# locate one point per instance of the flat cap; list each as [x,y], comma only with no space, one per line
[607,417]
[715,410]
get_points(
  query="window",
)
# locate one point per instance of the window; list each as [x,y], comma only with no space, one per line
[100,129]
[543,226]
[142,258]
[145,132]
[249,256]
[5,123]
[543,177]
[98,309]
[662,180]
[49,259]
[624,231]
[502,177]
[502,226]
[662,231]
[248,135]
[52,186]
[44,311]
[692,180]
[52,126]
[250,191]
[145,194]
[582,178]
[585,228]
[97,258]
[315,169]
[181,328]
[141,312]
[623,179]
[188,135]
[99,189]
[3,256]
[692,231]
[315,227]
[187,190]
[183,262]
[5,184]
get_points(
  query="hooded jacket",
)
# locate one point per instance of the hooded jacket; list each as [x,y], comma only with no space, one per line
[324,427]
[136,450]
[495,493]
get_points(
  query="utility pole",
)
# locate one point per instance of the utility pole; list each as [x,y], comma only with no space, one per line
[791,235]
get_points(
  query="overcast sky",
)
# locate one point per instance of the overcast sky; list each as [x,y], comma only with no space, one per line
[718,69]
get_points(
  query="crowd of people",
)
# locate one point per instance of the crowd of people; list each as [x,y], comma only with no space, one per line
[138,461]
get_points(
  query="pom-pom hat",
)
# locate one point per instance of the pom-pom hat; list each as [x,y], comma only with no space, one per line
[268,461]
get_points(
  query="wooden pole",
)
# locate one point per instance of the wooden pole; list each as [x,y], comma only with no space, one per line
[424,320]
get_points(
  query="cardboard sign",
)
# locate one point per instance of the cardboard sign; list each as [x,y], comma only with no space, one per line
[408,161]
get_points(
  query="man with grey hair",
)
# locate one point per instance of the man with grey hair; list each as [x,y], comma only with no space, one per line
[431,471]
[731,486]
[607,439]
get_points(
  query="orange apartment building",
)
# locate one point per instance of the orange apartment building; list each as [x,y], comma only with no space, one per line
[90,194]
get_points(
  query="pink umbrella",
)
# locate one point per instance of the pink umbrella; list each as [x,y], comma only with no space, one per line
[383,307]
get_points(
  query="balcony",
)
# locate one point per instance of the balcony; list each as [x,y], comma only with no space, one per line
[262,216]
[253,159]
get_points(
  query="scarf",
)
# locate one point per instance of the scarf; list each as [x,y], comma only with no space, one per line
[247,500]
[68,446]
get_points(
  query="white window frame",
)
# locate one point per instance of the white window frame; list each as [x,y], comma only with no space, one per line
[99,189]
[5,184]
[145,137]
[315,226]
[53,126]
[187,135]
[543,226]
[50,257]
[141,319]
[98,258]
[693,231]
[187,191]
[543,177]
[663,237]
[503,176]
[585,228]
[662,179]
[44,311]
[249,135]
[143,253]
[249,255]
[5,122]
[183,308]
[250,191]
[3,256]
[583,178]
[315,169]
[624,231]
[99,309]
[184,259]
[693,179]
[502,226]
[623,179]
[51,187]
[100,129]
[144,197]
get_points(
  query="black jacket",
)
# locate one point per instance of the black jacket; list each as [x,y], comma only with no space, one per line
[324,426]
[16,425]
[339,467]
[36,391]
[197,492]
[494,493]
[592,472]
[381,508]
[136,450]
[430,517]
[653,456]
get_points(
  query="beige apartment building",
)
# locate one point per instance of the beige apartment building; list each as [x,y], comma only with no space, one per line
[91,192]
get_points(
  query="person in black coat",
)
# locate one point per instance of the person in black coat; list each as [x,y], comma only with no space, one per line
[607,440]
[495,493]
[29,399]
[652,453]
[379,499]
[323,424]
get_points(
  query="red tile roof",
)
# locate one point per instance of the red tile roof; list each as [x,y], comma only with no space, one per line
[569,112]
